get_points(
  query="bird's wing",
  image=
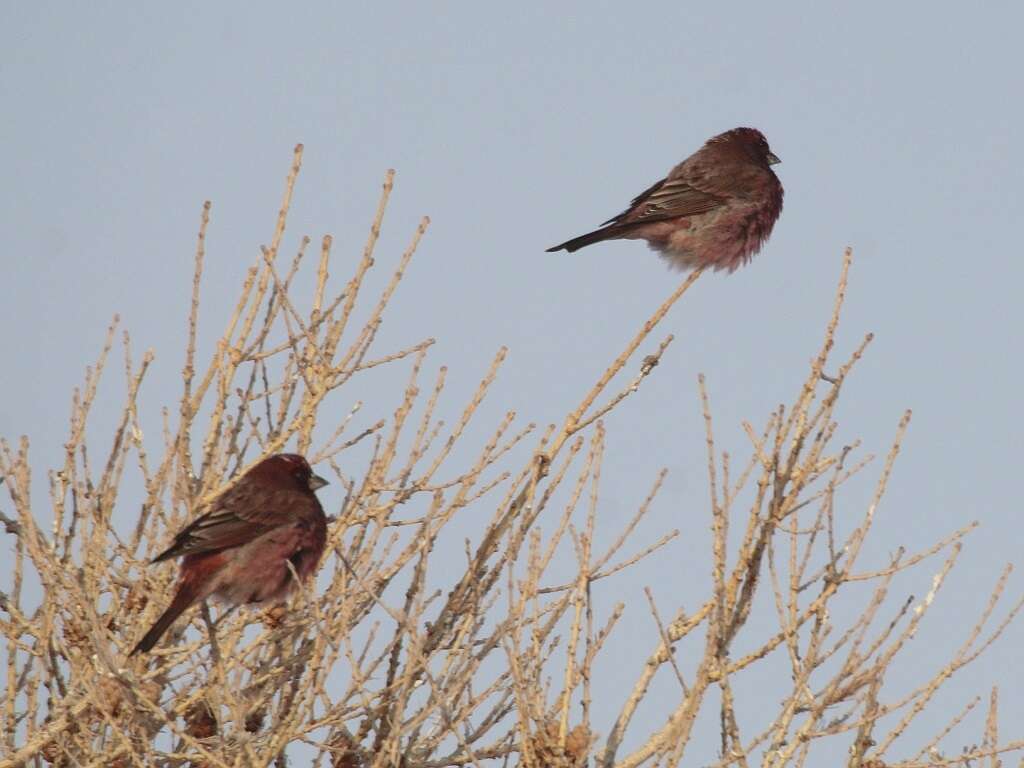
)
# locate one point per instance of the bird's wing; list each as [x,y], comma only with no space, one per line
[239,516]
[668,198]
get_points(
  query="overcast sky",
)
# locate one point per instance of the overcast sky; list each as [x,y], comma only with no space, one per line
[899,130]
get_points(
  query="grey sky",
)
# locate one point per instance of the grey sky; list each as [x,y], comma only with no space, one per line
[898,126]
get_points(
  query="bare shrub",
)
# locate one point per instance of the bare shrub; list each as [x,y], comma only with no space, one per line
[386,665]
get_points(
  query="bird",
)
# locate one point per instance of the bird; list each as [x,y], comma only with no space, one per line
[241,549]
[715,209]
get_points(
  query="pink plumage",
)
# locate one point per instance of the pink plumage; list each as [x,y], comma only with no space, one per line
[240,551]
[715,209]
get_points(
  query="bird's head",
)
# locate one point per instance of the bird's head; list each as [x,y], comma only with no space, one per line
[289,469]
[751,142]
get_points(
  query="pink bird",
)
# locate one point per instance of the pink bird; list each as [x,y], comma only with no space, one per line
[715,209]
[241,549]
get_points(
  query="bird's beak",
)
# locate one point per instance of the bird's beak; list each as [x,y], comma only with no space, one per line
[773,158]
[316,482]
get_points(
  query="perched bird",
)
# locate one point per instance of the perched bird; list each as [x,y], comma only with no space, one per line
[715,209]
[240,550]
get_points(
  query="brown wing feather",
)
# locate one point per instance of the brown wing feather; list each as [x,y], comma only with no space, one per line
[636,200]
[240,515]
[669,198]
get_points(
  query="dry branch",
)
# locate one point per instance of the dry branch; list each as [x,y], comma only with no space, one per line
[386,664]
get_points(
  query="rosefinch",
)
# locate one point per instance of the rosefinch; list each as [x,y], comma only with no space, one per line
[714,209]
[239,551]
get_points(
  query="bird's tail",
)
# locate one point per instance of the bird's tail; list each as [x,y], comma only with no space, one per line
[604,233]
[185,596]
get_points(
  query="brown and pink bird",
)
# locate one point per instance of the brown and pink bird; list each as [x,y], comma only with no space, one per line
[715,209]
[247,546]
